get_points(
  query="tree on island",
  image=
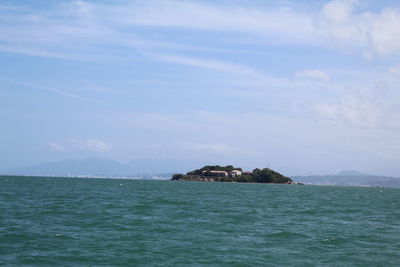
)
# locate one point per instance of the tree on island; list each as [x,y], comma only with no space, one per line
[227,168]
[177,176]
[269,176]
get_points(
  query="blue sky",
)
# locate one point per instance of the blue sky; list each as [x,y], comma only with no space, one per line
[304,88]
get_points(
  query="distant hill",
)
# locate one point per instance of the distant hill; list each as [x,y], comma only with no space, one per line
[105,167]
[349,178]
[351,173]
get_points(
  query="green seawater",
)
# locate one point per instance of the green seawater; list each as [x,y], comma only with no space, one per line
[109,222]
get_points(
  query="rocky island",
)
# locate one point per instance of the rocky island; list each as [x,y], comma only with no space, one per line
[231,174]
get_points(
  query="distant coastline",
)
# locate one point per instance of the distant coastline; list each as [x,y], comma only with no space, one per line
[90,177]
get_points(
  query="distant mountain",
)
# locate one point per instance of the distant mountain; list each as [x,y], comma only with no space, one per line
[105,167]
[349,178]
[351,173]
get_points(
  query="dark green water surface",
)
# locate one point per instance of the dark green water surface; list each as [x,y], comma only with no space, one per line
[92,222]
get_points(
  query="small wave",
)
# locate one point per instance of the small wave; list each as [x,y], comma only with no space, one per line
[285,234]
[333,241]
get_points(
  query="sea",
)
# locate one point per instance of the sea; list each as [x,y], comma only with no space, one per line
[114,222]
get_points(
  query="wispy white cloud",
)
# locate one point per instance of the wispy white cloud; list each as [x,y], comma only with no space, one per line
[218,65]
[340,11]
[385,32]
[86,145]
[338,22]
[395,70]
[312,74]
[73,29]
[359,111]
[52,146]
[219,148]
[54,90]
[376,33]
[93,145]
[234,18]
[42,52]
[239,74]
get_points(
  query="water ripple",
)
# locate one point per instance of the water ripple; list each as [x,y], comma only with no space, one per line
[161,223]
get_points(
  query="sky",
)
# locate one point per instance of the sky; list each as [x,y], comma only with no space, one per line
[302,87]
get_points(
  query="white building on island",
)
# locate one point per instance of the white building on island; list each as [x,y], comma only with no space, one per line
[235,173]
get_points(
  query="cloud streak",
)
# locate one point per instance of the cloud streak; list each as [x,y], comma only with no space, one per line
[86,145]
[361,112]
[56,91]
[219,148]
[69,30]
[313,74]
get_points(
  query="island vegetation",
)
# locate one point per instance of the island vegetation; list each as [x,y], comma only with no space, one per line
[231,174]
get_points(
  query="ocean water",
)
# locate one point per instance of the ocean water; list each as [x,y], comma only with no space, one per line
[109,222]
